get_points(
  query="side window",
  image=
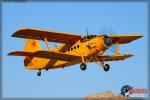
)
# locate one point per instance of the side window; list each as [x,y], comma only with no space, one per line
[68,49]
[75,47]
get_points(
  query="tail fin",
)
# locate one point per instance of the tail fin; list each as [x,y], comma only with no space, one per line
[32,45]
[31,62]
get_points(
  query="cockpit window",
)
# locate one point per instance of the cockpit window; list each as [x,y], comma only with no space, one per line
[87,37]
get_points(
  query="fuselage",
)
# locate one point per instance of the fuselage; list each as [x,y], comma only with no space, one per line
[87,46]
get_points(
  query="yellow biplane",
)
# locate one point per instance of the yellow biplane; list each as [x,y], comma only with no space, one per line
[74,49]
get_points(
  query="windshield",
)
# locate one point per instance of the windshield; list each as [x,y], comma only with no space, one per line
[87,37]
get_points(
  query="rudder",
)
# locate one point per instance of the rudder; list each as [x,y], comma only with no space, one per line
[32,45]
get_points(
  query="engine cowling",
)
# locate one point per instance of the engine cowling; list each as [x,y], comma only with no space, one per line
[107,41]
[103,43]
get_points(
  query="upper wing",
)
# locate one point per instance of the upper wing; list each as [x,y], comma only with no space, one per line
[123,39]
[46,55]
[111,57]
[51,36]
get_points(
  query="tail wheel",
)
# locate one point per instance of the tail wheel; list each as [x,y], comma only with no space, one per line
[83,66]
[106,67]
[39,73]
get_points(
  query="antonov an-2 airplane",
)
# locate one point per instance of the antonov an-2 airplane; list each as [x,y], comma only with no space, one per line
[75,49]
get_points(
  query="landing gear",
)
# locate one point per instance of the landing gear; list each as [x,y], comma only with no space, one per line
[39,73]
[106,67]
[83,66]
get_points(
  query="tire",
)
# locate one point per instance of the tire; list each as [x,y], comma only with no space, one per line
[106,67]
[38,73]
[83,66]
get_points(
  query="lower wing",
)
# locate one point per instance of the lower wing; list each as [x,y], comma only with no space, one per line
[109,57]
[46,55]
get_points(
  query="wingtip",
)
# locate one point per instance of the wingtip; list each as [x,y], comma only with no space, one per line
[131,55]
[16,32]
[140,35]
[9,54]
[13,35]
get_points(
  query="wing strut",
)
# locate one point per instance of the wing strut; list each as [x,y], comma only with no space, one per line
[47,43]
[117,48]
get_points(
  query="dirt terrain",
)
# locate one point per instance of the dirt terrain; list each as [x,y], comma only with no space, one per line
[104,96]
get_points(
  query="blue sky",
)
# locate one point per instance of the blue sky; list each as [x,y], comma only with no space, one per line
[74,17]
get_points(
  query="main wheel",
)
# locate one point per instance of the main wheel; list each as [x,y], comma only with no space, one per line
[106,67]
[39,73]
[83,66]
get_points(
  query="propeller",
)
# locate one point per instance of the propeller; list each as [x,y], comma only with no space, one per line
[106,30]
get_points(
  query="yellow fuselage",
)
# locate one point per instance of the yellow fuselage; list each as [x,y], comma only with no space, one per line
[87,48]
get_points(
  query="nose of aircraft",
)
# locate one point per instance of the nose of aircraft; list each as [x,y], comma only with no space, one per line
[107,40]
